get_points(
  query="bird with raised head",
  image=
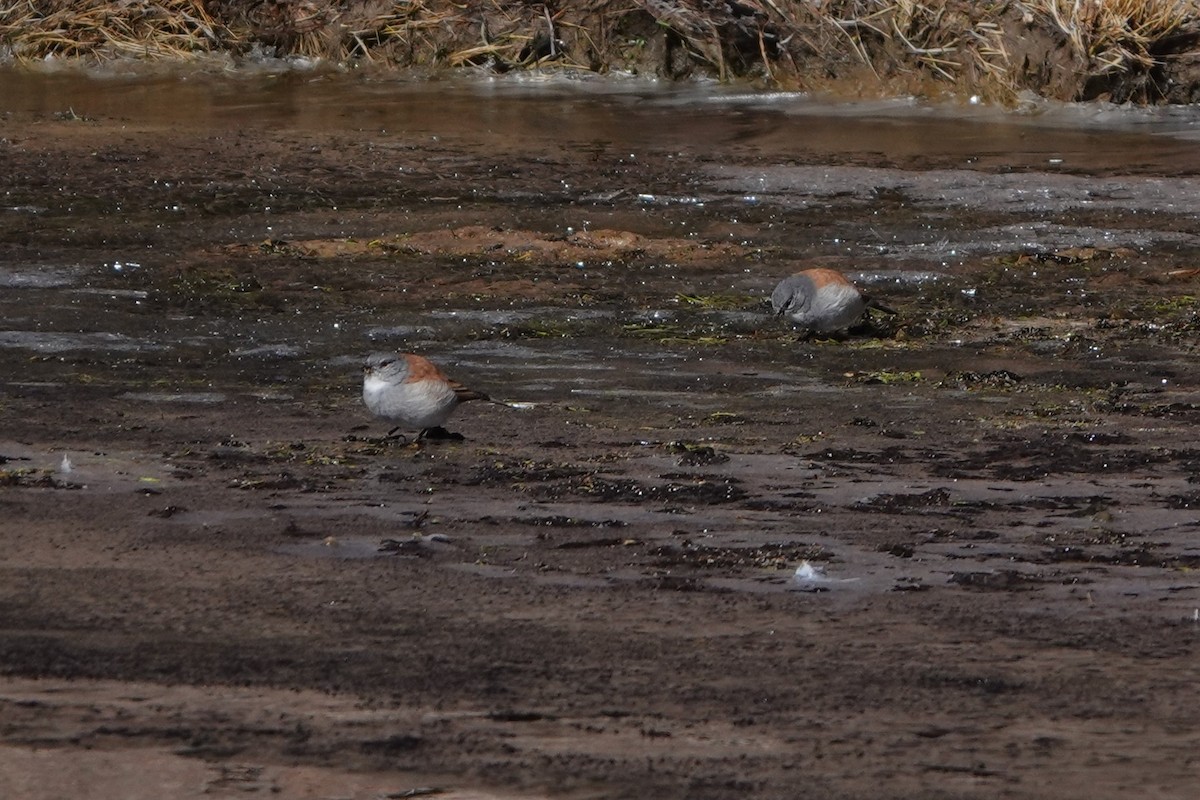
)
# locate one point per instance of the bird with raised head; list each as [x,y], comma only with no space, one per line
[410,391]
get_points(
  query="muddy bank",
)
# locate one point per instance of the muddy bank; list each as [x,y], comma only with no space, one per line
[952,554]
[1002,52]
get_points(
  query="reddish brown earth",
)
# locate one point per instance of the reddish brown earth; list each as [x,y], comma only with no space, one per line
[238,587]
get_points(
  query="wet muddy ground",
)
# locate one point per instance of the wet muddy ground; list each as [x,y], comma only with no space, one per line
[952,554]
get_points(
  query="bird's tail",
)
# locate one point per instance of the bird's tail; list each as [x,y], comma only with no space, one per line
[464,394]
[873,303]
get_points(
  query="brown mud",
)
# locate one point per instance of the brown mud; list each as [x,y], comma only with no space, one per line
[952,554]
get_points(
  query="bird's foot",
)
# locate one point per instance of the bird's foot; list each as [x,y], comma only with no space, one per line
[439,434]
[393,436]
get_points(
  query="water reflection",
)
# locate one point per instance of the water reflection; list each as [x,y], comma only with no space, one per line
[589,117]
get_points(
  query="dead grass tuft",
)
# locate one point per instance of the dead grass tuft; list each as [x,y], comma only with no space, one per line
[174,29]
[902,45]
[1116,35]
[959,43]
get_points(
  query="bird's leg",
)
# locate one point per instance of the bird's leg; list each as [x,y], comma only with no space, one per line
[392,435]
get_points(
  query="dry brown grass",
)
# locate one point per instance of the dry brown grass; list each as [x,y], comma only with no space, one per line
[175,29]
[968,44]
[1110,35]
[960,45]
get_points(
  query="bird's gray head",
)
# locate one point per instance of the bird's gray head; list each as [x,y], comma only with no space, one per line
[385,364]
[790,293]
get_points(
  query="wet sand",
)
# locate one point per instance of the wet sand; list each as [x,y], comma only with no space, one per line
[219,578]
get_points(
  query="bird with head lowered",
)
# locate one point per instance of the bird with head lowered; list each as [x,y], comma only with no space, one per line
[822,301]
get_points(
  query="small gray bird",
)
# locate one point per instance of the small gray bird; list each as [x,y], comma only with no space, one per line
[821,300]
[412,392]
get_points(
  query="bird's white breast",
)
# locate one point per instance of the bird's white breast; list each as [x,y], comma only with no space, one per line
[372,388]
[418,404]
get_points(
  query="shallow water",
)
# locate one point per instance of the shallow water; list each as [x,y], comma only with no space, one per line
[1009,239]
[563,110]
